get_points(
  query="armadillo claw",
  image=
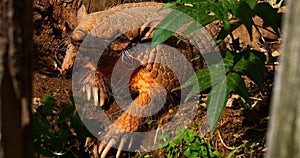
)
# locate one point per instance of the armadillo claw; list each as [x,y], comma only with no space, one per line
[96,87]
[121,146]
[114,136]
[119,133]
[88,89]
[106,148]
[98,94]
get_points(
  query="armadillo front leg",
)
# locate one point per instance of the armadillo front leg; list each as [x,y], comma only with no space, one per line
[144,105]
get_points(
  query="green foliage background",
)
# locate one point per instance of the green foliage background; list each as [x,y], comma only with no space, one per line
[232,13]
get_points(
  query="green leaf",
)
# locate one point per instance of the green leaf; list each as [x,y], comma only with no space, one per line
[169,5]
[224,33]
[245,13]
[251,3]
[188,139]
[192,155]
[270,16]
[200,11]
[165,136]
[220,9]
[204,77]
[250,63]
[49,104]
[193,27]
[166,28]
[236,83]
[187,152]
[216,102]
[180,130]
[79,127]
[196,146]
[40,150]
[191,133]
[66,112]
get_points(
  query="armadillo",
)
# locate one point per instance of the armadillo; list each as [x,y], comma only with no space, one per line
[114,46]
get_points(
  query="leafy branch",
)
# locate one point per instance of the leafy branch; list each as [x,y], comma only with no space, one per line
[224,77]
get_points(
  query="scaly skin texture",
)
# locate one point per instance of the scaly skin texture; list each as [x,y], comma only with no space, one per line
[151,73]
[86,22]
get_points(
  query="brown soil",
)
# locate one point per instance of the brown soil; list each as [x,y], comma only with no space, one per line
[53,24]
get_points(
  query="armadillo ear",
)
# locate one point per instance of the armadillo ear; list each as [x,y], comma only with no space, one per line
[81,13]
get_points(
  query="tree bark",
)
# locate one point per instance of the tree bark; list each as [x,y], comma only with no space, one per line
[96,5]
[284,129]
[15,78]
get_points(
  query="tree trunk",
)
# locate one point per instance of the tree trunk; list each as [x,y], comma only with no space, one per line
[96,5]
[15,78]
[284,130]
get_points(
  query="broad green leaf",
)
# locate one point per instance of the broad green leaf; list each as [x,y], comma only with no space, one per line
[253,66]
[65,136]
[195,90]
[237,9]
[224,33]
[168,5]
[192,155]
[80,128]
[270,15]
[41,150]
[49,104]
[226,24]
[165,137]
[203,79]
[49,100]
[229,58]
[67,111]
[216,102]
[193,27]
[196,146]
[203,12]
[204,75]
[220,10]
[251,3]
[257,74]
[188,140]
[249,63]
[168,26]
[180,130]
[236,84]
[191,133]
[187,152]
[245,13]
